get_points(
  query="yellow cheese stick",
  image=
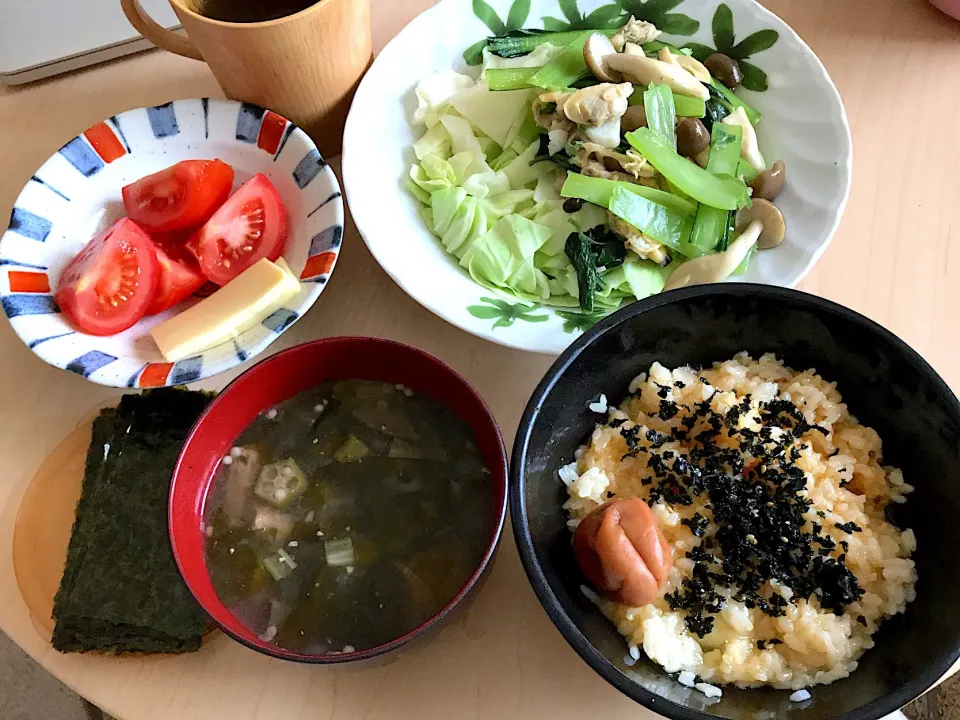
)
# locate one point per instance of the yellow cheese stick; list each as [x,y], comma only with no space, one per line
[239,305]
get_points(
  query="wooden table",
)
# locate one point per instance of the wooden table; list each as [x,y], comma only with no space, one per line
[896,258]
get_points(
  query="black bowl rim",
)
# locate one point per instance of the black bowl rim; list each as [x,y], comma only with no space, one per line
[879,708]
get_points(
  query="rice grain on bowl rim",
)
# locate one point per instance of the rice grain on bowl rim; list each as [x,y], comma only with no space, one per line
[786,639]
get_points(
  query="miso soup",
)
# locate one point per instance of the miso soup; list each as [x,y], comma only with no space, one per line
[347,516]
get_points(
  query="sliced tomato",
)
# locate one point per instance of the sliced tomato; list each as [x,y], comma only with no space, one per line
[109,285]
[182,197]
[250,226]
[179,275]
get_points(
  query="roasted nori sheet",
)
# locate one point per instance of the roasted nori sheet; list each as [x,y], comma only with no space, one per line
[120,590]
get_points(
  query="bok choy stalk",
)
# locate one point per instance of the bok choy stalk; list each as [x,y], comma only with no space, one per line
[661,113]
[565,69]
[522,42]
[600,191]
[510,78]
[664,225]
[734,100]
[726,193]
[684,105]
[746,171]
[711,223]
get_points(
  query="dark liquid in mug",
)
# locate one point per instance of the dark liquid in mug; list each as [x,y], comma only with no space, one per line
[246,11]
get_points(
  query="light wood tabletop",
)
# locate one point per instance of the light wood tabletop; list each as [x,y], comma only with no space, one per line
[896,258]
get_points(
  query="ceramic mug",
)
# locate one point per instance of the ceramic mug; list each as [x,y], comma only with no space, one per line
[305,66]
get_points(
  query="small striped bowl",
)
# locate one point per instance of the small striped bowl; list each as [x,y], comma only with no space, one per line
[76,193]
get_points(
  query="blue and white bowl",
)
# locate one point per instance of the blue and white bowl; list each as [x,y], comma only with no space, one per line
[76,193]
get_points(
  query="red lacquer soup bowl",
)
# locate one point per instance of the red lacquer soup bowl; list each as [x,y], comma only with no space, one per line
[279,378]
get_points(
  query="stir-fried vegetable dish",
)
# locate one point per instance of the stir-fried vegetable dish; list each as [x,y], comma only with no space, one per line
[347,516]
[585,169]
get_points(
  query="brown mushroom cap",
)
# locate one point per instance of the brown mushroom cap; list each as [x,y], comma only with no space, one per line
[597,47]
[725,69]
[767,214]
[769,183]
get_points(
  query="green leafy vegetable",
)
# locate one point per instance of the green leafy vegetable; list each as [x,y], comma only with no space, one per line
[588,279]
[711,224]
[589,253]
[664,225]
[599,191]
[684,105]
[564,70]
[661,113]
[746,171]
[727,193]
[734,101]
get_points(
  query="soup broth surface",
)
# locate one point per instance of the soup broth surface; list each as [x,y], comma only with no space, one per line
[347,516]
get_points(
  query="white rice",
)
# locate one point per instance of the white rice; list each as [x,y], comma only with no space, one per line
[600,406]
[800,696]
[845,480]
[711,691]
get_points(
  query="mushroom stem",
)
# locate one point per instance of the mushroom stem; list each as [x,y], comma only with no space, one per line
[641,69]
[749,147]
[716,267]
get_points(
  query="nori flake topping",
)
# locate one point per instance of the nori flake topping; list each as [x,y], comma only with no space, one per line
[755,535]
[120,590]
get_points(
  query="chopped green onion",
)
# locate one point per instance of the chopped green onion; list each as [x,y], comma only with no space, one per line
[565,69]
[661,113]
[523,42]
[510,78]
[685,105]
[600,191]
[279,565]
[339,552]
[726,193]
[711,222]
[664,225]
[735,101]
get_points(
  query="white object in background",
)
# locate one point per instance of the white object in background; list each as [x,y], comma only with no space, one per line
[40,38]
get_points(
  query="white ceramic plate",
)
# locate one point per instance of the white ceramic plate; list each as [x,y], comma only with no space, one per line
[76,193]
[803,123]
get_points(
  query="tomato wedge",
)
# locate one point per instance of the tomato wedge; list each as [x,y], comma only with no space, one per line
[182,197]
[179,275]
[108,286]
[251,225]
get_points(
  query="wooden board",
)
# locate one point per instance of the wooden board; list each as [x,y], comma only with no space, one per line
[44,522]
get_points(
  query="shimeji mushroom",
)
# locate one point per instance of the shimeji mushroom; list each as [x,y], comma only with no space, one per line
[718,266]
[647,71]
[597,47]
[687,62]
[770,217]
[749,148]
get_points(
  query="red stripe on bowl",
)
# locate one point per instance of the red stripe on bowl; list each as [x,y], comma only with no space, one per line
[29,282]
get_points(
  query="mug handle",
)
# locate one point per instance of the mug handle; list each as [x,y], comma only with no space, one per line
[156,33]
